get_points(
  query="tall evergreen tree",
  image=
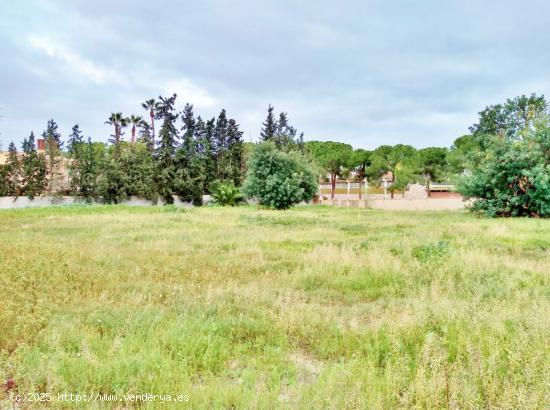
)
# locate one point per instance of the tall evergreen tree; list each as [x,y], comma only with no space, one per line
[13,171]
[220,143]
[75,140]
[234,158]
[210,152]
[269,128]
[145,136]
[166,150]
[188,129]
[33,173]
[53,145]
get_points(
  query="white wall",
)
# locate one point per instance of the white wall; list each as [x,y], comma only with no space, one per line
[10,202]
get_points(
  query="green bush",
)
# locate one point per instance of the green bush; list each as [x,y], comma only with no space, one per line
[432,251]
[226,194]
[278,180]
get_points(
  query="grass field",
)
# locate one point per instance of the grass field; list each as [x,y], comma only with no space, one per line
[244,308]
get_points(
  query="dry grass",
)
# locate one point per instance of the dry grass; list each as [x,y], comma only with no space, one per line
[246,308]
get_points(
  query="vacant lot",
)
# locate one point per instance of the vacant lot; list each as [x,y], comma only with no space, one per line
[310,308]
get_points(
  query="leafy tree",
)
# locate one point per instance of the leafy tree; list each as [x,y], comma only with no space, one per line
[332,157]
[277,179]
[392,159]
[459,156]
[53,144]
[360,159]
[114,181]
[431,164]
[90,166]
[33,169]
[511,177]
[509,120]
[138,164]
[166,150]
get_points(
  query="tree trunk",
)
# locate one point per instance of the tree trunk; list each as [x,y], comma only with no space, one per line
[332,185]
[133,133]
[152,115]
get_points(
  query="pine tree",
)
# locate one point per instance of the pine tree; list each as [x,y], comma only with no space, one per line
[188,128]
[13,171]
[145,136]
[269,126]
[220,144]
[210,153]
[53,146]
[233,165]
[33,175]
[75,140]
[165,153]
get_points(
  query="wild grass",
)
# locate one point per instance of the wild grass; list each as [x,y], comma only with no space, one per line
[244,308]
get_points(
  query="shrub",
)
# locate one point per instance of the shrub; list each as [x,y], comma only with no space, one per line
[278,180]
[433,251]
[226,194]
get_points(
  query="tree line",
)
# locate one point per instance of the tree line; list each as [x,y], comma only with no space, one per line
[503,164]
[187,158]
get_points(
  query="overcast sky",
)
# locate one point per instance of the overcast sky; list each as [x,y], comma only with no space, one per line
[363,72]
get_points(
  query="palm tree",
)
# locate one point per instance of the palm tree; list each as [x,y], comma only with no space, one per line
[150,106]
[118,121]
[136,121]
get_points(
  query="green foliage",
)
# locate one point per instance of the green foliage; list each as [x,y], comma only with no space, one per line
[399,160]
[459,156]
[281,133]
[33,169]
[332,157]
[431,252]
[431,163]
[53,146]
[12,172]
[511,178]
[166,150]
[509,120]
[278,180]
[508,173]
[226,194]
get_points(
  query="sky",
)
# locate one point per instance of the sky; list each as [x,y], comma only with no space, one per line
[362,72]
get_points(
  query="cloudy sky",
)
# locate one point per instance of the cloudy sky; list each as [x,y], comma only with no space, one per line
[364,72]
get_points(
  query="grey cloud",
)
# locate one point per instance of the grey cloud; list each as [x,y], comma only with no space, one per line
[364,72]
